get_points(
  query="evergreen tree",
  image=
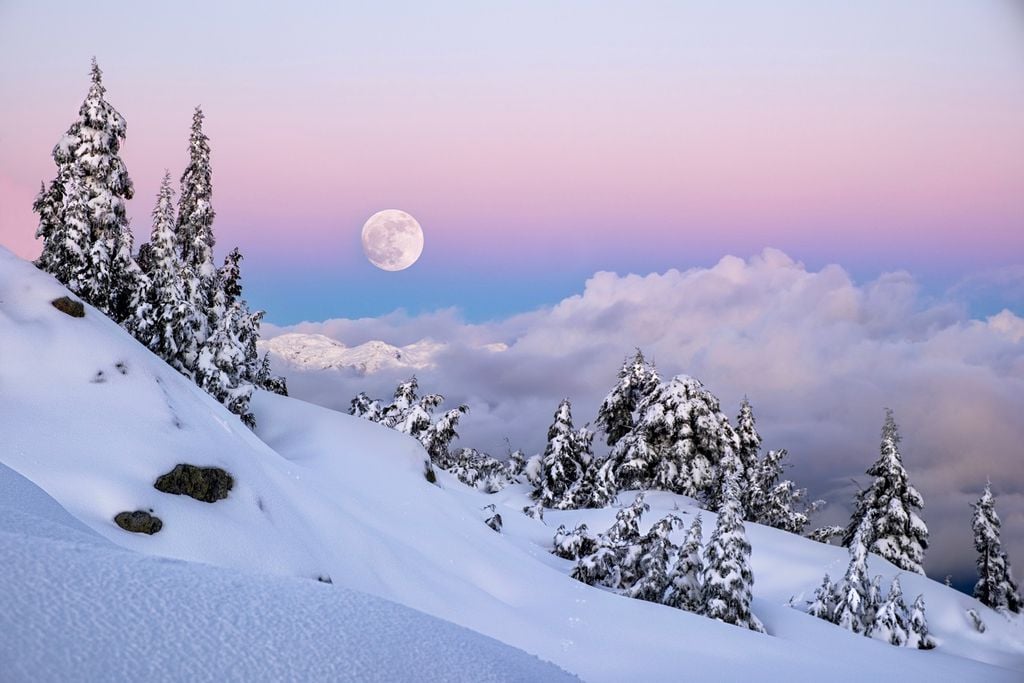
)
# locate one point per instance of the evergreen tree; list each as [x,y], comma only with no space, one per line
[891,622]
[728,579]
[685,586]
[597,489]
[678,441]
[996,586]
[748,449]
[636,380]
[574,544]
[265,379]
[365,407]
[221,360]
[777,502]
[162,323]
[92,183]
[230,276]
[515,467]
[899,534]
[824,604]
[919,636]
[656,554]
[873,600]
[852,594]
[195,233]
[564,462]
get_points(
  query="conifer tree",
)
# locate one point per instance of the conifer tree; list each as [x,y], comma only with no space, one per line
[996,586]
[636,380]
[677,444]
[655,555]
[824,604]
[564,461]
[574,544]
[728,579]
[195,233]
[891,621]
[221,359]
[899,534]
[919,636]
[852,593]
[97,264]
[365,407]
[748,449]
[685,588]
[162,323]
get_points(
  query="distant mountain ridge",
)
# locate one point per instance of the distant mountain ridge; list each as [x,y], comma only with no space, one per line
[319,352]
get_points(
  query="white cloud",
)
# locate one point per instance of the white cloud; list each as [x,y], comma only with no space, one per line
[818,354]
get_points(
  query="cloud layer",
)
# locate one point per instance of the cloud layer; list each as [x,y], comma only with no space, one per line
[818,355]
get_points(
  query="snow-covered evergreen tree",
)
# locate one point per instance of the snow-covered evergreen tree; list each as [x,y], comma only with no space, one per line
[996,586]
[685,586]
[637,379]
[220,363]
[98,263]
[566,458]
[899,534]
[365,407]
[748,450]
[824,604]
[266,379]
[679,439]
[919,636]
[162,324]
[574,544]
[891,620]
[597,489]
[852,593]
[656,555]
[728,579]
[474,468]
[777,502]
[195,233]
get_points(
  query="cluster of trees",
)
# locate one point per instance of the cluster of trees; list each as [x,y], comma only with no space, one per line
[995,587]
[856,603]
[170,294]
[671,436]
[714,580]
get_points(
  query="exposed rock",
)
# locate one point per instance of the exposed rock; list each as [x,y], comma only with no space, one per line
[208,484]
[66,304]
[494,522]
[139,522]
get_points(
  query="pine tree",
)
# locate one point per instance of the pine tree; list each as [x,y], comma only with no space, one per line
[162,323]
[891,621]
[777,502]
[996,586]
[748,451]
[102,269]
[899,534]
[597,489]
[656,555]
[852,593]
[221,359]
[636,380]
[679,439]
[728,579]
[564,461]
[195,233]
[919,636]
[265,379]
[685,587]
[824,604]
[365,407]
[574,544]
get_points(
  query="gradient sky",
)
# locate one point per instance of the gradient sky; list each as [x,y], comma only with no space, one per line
[540,142]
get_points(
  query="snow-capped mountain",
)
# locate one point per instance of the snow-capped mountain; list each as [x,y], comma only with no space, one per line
[91,420]
[310,352]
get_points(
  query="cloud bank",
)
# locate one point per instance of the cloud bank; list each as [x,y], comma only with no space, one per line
[818,355]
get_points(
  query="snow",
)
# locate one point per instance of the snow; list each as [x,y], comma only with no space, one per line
[319,352]
[321,493]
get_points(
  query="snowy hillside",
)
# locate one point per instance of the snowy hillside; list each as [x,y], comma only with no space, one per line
[93,419]
[318,352]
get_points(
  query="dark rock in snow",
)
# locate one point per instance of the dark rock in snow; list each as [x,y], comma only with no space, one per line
[139,522]
[208,484]
[494,522]
[66,304]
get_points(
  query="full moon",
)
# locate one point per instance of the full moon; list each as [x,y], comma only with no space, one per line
[392,239]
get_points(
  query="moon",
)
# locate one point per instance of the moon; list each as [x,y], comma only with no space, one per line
[392,240]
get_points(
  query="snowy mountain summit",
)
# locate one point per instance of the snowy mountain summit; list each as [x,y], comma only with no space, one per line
[314,548]
[319,352]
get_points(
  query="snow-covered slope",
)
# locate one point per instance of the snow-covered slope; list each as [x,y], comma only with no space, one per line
[311,352]
[78,608]
[321,493]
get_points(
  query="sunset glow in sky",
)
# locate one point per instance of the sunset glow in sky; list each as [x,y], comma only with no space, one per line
[538,143]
